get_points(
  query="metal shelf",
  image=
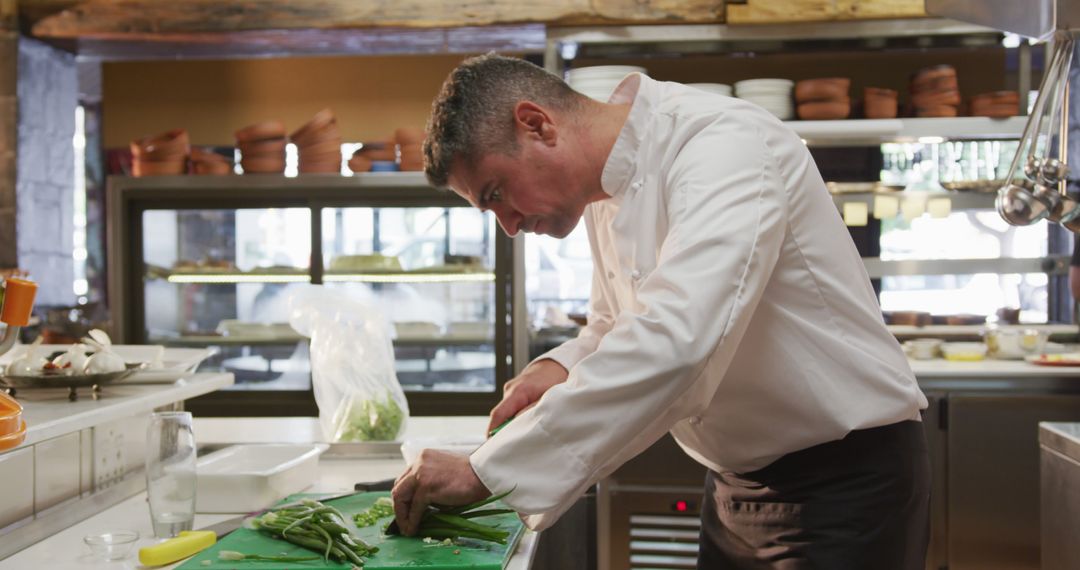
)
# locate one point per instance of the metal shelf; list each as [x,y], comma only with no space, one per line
[960,200]
[1051,265]
[926,130]
[862,29]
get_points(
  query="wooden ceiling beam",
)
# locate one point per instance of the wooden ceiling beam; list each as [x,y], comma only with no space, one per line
[133,19]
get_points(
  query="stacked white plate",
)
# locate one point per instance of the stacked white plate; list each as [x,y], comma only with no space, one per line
[717,88]
[600,81]
[773,95]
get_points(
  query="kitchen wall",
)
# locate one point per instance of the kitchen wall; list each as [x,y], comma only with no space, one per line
[45,170]
[371,96]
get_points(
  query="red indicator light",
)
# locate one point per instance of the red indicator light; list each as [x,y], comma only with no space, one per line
[681,506]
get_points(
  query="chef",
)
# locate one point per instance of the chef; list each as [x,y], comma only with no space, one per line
[729,307]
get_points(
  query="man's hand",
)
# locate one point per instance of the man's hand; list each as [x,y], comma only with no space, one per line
[524,391]
[435,477]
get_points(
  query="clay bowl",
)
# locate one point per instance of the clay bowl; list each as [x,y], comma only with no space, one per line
[935,77]
[319,167]
[937,111]
[324,147]
[158,167]
[203,155]
[165,146]
[824,89]
[263,165]
[211,168]
[909,318]
[263,148]
[411,165]
[322,121]
[824,110]
[879,103]
[359,164]
[261,131]
[377,151]
[936,97]
[409,135]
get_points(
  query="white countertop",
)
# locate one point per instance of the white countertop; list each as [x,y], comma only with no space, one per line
[48,413]
[989,368]
[66,549]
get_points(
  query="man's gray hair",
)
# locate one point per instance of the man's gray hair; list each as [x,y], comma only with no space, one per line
[473,115]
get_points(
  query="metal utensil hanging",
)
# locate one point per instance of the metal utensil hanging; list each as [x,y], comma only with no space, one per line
[1035,186]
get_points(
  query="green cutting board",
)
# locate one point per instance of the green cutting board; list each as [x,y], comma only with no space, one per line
[394,551]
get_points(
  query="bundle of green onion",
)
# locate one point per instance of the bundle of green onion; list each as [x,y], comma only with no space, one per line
[317,527]
[440,522]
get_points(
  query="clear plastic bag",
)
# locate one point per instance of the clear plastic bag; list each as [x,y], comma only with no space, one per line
[352,364]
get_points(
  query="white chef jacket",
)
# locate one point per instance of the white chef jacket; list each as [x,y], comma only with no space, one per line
[729,306]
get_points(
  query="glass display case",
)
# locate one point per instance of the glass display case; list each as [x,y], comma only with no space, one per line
[212,261]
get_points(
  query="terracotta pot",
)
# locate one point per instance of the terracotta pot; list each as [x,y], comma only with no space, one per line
[265,147]
[879,103]
[909,318]
[322,121]
[158,167]
[163,147]
[259,165]
[211,168]
[824,110]
[377,151]
[359,164]
[936,97]
[936,77]
[319,167]
[203,155]
[937,111]
[324,147]
[409,135]
[826,89]
[261,131]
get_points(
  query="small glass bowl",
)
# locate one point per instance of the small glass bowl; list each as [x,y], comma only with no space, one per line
[115,545]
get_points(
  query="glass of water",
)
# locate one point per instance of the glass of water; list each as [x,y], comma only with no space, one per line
[170,472]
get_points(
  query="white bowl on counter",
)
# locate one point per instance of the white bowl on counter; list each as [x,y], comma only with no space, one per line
[964,351]
[249,477]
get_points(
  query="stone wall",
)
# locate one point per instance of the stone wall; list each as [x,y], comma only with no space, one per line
[9,51]
[47,95]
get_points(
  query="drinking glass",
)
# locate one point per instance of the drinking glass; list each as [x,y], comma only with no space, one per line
[170,472]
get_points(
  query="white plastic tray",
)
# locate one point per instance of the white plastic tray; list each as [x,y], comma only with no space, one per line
[249,477]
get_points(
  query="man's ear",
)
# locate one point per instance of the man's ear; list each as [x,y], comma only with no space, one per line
[532,120]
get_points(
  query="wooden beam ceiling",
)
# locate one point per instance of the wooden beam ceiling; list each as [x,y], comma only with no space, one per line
[143,19]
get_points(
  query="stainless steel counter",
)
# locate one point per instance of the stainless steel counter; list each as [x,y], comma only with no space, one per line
[1060,494]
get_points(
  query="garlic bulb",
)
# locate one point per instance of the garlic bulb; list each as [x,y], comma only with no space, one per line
[30,363]
[103,363]
[74,359]
[104,360]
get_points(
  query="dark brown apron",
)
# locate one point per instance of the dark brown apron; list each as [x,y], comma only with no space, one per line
[859,503]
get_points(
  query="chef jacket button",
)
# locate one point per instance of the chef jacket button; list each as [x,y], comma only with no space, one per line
[611,274]
[695,420]
[636,185]
[635,274]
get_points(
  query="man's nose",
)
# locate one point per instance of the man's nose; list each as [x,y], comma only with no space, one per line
[508,219]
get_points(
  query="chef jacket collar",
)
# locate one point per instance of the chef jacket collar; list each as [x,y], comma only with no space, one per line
[621,163]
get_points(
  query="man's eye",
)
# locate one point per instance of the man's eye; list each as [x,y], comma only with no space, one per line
[495,196]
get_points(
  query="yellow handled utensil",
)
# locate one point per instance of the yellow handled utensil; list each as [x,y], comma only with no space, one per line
[189,542]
